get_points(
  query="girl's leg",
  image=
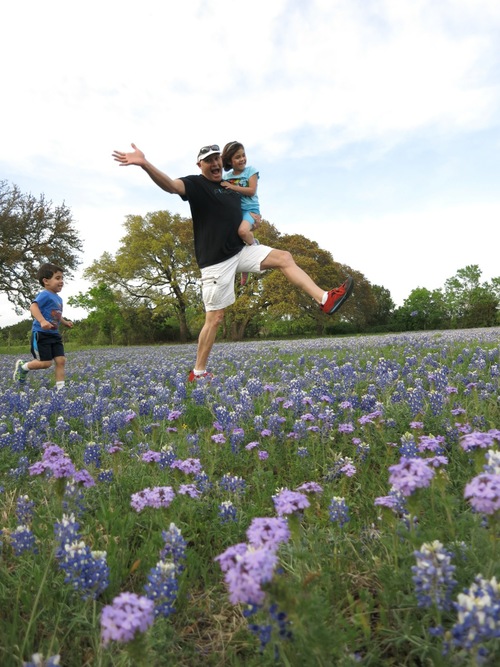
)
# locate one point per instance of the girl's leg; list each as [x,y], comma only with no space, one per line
[245,232]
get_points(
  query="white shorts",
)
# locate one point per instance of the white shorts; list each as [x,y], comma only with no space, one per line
[217,281]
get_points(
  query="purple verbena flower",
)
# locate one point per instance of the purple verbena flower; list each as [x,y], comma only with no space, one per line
[483,493]
[268,532]
[289,502]
[410,474]
[128,615]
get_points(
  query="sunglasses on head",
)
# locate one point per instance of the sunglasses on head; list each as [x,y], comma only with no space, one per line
[207,149]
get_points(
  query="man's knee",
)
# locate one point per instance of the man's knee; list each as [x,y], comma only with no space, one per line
[213,318]
[278,259]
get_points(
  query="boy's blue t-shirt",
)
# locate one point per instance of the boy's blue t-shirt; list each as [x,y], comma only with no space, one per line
[51,306]
[247,203]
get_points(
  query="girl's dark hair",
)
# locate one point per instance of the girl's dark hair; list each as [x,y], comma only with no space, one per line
[47,271]
[227,154]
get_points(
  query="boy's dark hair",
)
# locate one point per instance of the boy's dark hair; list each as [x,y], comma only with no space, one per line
[47,271]
[227,153]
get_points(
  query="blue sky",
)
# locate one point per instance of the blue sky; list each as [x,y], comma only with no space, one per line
[374,124]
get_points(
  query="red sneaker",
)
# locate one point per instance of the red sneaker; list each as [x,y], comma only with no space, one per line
[192,377]
[244,278]
[337,296]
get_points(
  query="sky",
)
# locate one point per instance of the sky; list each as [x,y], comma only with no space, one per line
[374,124]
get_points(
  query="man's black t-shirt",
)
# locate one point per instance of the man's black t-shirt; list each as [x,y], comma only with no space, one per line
[216,214]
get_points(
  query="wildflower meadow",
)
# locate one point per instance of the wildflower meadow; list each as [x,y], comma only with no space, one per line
[333,501]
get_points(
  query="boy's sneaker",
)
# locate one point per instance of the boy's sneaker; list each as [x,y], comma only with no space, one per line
[192,377]
[19,373]
[338,296]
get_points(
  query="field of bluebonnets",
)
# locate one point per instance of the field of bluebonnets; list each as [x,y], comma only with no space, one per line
[319,502]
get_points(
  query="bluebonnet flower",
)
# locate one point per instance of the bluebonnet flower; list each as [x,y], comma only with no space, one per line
[86,571]
[105,476]
[289,502]
[202,482]
[492,464]
[128,615]
[24,510]
[174,547]
[338,511]
[410,474]
[236,438]
[22,540]
[227,511]
[278,621]
[162,588]
[408,447]
[302,452]
[66,531]
[232,483]
[478,611]
[433,576]
[73,499]
[38,661]
[92,455]
[21,469]
[158,496]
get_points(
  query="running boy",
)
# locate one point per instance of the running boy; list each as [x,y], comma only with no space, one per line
[46,341]
[242,179]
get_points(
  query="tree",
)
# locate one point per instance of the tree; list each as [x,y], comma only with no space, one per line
[471,303]
[385,305]
[270,295]
[423,309]
[32,232]
[104,310]
[154,265]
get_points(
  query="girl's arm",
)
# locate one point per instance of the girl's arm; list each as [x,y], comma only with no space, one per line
[246,192]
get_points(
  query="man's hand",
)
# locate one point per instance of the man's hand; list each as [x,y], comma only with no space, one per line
[135,157]
[46,325]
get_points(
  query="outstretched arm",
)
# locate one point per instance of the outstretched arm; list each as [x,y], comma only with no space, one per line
[137,157]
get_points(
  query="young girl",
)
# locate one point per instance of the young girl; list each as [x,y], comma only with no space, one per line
[242,179]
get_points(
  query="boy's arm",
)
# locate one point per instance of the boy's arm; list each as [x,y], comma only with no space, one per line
[137,157]
[37,314]
[67,323]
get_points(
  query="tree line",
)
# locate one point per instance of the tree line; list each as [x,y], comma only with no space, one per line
[149,291]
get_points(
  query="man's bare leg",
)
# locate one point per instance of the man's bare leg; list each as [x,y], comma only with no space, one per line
[206,339]
[283,260]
